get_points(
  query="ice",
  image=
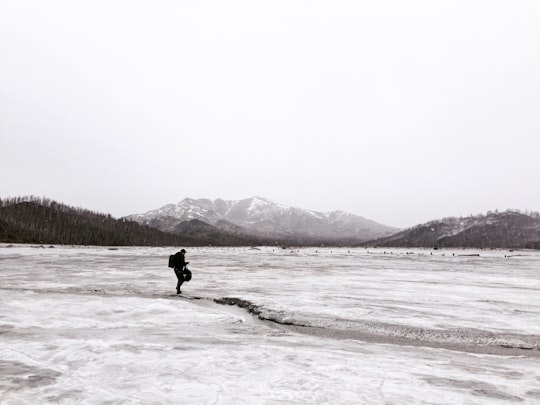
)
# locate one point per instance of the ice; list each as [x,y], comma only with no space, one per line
[98,325]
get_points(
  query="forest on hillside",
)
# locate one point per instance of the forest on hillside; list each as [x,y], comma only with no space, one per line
[494,230]
[41,220]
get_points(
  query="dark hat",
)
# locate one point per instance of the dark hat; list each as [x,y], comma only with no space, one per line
[183,251]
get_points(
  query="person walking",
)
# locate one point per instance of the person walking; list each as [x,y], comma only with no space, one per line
[179,265]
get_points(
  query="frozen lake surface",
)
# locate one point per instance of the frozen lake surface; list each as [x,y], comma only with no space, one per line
[339,326]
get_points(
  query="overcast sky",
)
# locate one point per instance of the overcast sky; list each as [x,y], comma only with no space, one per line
[399,111]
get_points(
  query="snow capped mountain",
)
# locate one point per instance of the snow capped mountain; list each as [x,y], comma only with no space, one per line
[262,217]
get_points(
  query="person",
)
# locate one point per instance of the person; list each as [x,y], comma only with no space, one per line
[179,264]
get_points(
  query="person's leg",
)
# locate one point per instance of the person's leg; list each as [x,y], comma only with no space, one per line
[180,278]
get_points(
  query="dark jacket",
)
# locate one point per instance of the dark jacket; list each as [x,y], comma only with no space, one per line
[180,260]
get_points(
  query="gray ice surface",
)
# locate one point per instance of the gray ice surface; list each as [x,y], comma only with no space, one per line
[338,326]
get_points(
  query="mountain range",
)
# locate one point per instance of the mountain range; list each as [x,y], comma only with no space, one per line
[263,219]
[254,221]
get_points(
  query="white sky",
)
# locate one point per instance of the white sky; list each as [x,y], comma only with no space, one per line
[401,112]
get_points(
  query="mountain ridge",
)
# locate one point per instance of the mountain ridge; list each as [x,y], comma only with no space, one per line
[508,229]
[260,217]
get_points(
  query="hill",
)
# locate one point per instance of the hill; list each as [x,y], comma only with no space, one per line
[200,232]
[508,229]
[38,220]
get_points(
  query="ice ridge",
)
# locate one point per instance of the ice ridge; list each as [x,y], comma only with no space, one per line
[467,340]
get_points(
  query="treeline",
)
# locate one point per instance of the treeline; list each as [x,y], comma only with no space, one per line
[40,220]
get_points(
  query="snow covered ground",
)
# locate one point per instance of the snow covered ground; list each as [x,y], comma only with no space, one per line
[339,326]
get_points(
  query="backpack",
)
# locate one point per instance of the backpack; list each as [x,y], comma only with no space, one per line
[172,261]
